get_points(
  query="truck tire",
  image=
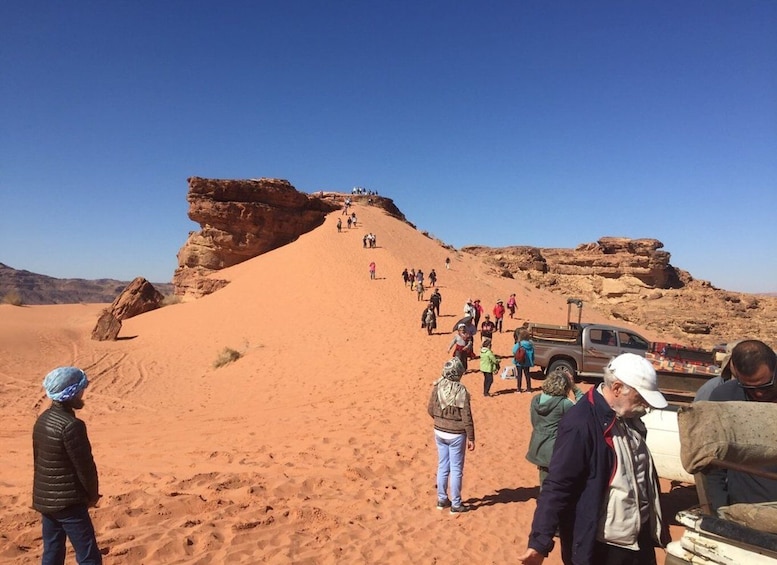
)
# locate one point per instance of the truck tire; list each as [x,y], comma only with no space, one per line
[564,367]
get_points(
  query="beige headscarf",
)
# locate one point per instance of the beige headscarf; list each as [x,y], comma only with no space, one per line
[450,392]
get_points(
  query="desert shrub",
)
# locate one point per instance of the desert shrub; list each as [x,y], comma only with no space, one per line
[171,299]
[227,356]
[13,298]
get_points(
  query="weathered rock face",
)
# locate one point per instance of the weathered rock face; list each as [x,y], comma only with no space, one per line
[241,219]
[138,297]
[633,281]
[610,257]
[107,328]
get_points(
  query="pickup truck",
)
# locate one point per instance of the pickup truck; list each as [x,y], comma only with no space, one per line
[582,350]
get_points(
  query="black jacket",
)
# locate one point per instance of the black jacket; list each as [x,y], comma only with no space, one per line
[65,473]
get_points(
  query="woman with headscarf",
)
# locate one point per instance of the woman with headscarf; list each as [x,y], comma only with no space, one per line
[546,410]
[454,433]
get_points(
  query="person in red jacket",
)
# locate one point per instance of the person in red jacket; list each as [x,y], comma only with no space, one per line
[499,314]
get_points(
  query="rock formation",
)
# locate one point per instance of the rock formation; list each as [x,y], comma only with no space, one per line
[138,297]
[610,258]
[241,219]
[632,280]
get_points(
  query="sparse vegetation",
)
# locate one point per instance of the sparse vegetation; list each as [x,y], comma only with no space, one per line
[227,356]
[13,297]
[171,299]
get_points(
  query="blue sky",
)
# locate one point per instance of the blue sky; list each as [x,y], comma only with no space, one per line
[496,123]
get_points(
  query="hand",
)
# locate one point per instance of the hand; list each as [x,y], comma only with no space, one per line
[470,445]
[531,557]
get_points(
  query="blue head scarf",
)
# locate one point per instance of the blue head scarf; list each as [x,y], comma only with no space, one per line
[64,383]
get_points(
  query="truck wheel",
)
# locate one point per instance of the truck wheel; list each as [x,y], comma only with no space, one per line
[563,367]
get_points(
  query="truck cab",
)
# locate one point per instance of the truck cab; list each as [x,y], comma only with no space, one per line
[581,350]
[586,350]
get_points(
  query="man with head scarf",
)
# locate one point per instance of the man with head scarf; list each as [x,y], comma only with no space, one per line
[65,481]
[454,432]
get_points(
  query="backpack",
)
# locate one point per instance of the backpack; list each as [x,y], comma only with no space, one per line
[520,355]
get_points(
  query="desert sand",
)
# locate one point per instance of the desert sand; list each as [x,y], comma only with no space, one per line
[315,446]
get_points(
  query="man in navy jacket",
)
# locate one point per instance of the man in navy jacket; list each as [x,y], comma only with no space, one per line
[602,489]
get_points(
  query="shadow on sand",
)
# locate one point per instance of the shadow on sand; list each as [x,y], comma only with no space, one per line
[505,496]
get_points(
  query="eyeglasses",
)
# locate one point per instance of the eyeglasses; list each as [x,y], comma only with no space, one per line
[758,387]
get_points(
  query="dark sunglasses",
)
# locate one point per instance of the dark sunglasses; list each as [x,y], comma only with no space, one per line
[759,387]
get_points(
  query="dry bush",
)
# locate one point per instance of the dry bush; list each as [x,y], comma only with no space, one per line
[13,298]
[227,356]
[171,299]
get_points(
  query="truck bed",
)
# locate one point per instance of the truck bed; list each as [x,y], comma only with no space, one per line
[546,332]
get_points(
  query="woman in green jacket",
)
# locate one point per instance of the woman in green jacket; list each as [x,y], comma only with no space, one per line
[546,410]
[489,364]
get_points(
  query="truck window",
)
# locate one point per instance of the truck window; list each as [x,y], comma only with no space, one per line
[633,341]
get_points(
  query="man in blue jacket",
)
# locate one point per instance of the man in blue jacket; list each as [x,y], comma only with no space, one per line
[601,492]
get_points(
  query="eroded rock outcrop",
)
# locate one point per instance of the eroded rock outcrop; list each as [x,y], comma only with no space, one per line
[609,257]
[241,219]
[138,297]
[632,280]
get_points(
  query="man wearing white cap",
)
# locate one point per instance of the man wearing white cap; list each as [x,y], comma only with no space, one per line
[65,483]
[601,492]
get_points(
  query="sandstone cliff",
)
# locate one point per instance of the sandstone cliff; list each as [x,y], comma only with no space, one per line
[632,280]
[241,219]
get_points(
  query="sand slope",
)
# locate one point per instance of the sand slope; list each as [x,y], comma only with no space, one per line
[314,447]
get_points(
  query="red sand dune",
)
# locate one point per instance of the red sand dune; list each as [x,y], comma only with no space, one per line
[314,447]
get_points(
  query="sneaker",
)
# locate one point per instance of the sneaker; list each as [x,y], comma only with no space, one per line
[459,509]
[442,504]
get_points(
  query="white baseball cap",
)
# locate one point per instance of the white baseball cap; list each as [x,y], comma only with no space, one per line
[637,372]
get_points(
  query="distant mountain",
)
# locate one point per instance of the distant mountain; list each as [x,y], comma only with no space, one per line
[33,289]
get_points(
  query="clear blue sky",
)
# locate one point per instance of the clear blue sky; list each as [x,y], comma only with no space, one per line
[496,123]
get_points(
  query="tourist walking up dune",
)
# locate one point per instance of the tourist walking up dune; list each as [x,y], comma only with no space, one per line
[511,304]
[487,328]
[462,345]
[454,431]
[478,311]
[436,300]
[429,319]
[499,314]
[372,270]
